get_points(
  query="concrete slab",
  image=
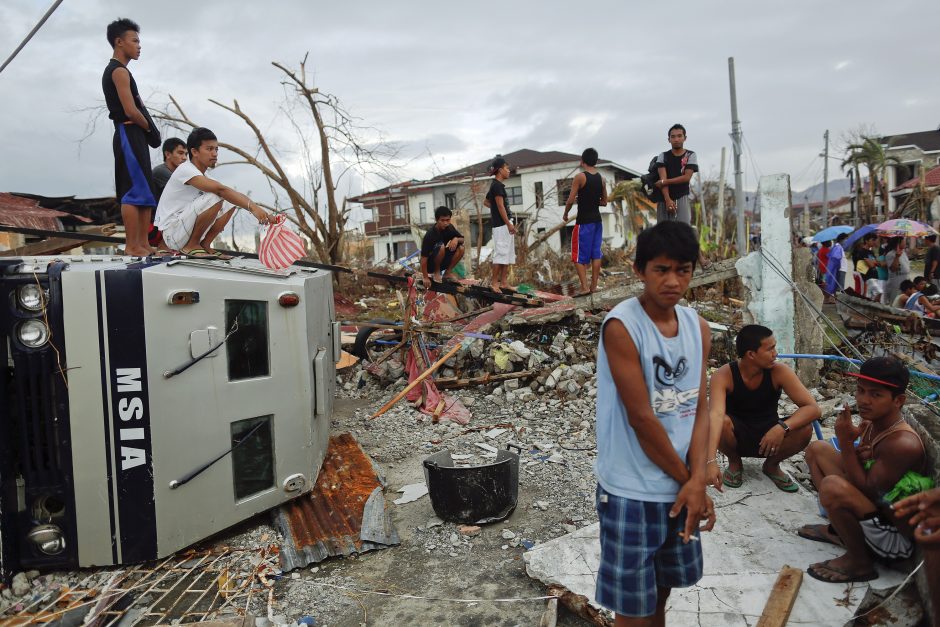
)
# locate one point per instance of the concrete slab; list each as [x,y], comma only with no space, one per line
[754,538]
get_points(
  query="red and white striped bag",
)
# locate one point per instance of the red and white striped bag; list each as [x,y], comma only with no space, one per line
[280,246]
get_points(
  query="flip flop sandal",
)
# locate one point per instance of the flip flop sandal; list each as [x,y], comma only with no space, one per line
[221,256]
[837,575]
[783,482]
[197,253]
[820,533]
[733,478]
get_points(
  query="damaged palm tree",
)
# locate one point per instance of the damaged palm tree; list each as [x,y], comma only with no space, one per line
[310,199]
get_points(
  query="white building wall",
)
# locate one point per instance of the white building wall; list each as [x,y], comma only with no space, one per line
[414,205]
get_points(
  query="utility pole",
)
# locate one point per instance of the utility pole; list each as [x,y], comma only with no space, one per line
[720,210]
[825,155]
[736,148]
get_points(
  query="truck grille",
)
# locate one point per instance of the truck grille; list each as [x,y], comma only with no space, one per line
[35,419]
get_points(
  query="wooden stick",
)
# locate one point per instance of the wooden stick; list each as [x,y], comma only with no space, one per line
[421,377]
[475,312]
[455,382]
[436,416]
[782,597]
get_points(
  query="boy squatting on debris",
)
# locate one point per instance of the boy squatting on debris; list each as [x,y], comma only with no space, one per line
[133,132]
[743,409]
[441,248]
[857,485]
[188,213]
[589,191]
[652,434]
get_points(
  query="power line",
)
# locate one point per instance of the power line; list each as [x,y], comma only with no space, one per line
[55,5]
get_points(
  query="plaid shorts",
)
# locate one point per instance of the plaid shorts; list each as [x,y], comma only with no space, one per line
[641,551]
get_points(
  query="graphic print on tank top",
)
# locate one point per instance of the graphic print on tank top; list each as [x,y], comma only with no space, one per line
[671,390]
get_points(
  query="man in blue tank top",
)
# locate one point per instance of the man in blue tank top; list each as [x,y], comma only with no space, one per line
[743,409]
[652,434]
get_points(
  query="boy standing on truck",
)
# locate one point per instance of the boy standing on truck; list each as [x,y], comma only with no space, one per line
[133,132]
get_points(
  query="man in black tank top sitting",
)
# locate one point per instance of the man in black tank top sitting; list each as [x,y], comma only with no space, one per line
[876,463]
[588,190]
[743,409]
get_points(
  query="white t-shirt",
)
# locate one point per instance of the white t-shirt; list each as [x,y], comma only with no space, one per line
[177,195]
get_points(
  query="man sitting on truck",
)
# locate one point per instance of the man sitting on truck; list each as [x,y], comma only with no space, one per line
[194,208]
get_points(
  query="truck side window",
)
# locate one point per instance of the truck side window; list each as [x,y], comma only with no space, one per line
[252,456]
[247,348]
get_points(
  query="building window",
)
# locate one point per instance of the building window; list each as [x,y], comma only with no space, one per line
[541,229]
[247,346]
[423,212]
[399,211]
[450,201]
[514,195]
[564,189]
[539,195]
[252,456]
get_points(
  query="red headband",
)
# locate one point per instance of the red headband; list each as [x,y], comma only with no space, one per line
[872,379]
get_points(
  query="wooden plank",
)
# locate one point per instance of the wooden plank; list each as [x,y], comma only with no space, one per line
[56,245]
[782,597]
[421,377]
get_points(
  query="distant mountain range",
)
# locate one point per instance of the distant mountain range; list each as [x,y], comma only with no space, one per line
[837,189]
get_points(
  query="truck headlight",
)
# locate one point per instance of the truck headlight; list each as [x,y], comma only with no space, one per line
[31,297]
[32,333]
[48,538]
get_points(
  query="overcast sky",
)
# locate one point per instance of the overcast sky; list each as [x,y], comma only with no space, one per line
[456,83]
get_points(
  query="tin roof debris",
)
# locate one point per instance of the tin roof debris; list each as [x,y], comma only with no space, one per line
[190,587]
[343,514]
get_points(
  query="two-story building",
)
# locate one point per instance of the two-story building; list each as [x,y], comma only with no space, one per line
[915,152]
[537,189]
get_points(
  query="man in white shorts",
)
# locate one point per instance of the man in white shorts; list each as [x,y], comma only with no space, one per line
[504,231]
[194,208]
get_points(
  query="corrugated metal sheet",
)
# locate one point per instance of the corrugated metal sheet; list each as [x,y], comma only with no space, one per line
[343,514]
[26,213]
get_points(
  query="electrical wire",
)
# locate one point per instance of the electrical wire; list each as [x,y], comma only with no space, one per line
[36,28]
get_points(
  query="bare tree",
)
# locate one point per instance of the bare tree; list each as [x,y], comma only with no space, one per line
[312,197]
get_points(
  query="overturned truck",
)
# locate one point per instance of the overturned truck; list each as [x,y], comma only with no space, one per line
[148,405]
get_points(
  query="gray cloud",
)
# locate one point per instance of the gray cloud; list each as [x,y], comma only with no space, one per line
[453,85]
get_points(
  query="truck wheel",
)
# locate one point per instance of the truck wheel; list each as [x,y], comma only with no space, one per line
[366,348]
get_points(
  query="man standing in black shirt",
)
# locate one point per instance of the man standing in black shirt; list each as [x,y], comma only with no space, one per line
[676,168]
[133,131]
[504,231]
[589,192]
[441,248]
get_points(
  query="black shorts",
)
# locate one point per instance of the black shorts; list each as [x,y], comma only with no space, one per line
[750,432]
[133,179]
[445,262]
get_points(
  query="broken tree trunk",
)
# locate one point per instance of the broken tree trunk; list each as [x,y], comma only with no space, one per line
[782,597]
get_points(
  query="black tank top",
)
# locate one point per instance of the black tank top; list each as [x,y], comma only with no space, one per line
[115,108]
[752,405]
[589,199]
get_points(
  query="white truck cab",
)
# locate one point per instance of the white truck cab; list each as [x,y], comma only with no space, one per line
[147,405]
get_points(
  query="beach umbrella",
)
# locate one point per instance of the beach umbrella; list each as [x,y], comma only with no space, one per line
[830,233]
[857,235]
[902,227]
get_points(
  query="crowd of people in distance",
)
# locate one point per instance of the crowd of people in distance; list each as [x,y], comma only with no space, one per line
[878,269]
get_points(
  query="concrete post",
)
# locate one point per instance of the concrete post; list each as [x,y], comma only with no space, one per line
[766,273]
